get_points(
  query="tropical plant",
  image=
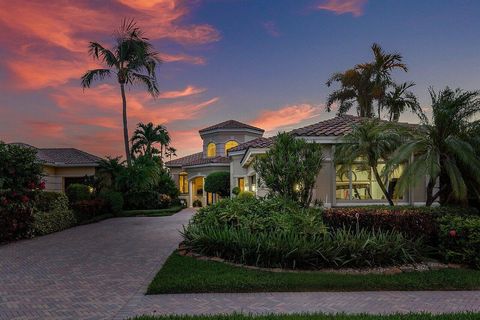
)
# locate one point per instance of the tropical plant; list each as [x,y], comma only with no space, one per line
[111,168]
[143,175]
[290,167]
[400,99]
[370,142]
[146,136]
[219,183]
[132,59]
[366,83]
[442,148]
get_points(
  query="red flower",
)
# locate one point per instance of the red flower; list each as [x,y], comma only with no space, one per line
[42,185]
[31,185]
[24,199]
[453,233]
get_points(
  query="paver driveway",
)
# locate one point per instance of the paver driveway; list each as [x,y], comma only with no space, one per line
[87,272]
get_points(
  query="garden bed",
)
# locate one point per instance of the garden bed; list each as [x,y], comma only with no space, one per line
[182,274]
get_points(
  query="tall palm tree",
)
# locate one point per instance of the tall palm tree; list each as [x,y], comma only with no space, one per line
[146,136]
[442,148]
[371,142]
[111,167]
[366,83]
[133,61]
[400,99]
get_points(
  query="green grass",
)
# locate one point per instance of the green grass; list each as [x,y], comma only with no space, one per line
[188,275]
[151,213]
[317,316]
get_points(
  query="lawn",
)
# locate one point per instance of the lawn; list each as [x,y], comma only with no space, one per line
[416,316]
[182,274]
[151,213]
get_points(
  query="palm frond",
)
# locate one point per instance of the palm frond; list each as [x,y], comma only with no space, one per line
[94,75]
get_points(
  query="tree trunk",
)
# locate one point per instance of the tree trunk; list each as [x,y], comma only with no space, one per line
[430,197]
[125,126]
[382,185]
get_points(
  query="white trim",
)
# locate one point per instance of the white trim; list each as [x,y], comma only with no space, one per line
[250,152]
[235,153]
[261,132]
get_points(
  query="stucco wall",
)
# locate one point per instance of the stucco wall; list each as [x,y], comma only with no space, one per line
[220,138]
[54,176]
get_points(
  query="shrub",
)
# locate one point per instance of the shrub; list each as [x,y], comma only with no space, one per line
[48,200]
[88,209]
[460,239]
[218,182]
[19,168]
[288,249]
[113,200]
[144,200]
[236,191]
[78,192]
[245,195]
[56,220]
[414,223]
[16,215]
[197,203]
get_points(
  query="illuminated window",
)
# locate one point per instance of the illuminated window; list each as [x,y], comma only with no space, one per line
[241,184]
[230,144]
[211,150]
[183,182]
[357,182]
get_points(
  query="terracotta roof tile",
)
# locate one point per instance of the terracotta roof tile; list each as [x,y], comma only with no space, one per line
[194,160]
[255,143]
[231,124]
[63,156]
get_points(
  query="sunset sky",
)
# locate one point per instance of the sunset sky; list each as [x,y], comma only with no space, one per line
[264,62]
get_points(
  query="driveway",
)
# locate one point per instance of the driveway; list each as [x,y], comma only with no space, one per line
[87,272]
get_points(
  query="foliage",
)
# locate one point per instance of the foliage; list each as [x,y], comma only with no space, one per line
[113,200]
[57,219]
[48,200]
[218,182]
[371,141]
[146,136]
[149,199]
[182,274]
[167,186]
[16,215]
[133,61]
[143,175]
[290,167]
[111,169]
[78,192]
[236,191]
[460,239]
[443,149]
[412,222]
[245,195]
[88,209]
[370,82]
[197,203]
[19,168]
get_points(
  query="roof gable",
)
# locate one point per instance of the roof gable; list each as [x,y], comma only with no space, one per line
[231,124]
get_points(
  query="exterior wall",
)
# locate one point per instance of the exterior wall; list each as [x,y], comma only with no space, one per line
[220,138]
[55,176]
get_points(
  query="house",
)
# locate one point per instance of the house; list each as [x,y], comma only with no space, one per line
[64,166]
[189,172]
[334,186]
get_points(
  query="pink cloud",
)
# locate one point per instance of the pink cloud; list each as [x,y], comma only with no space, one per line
[188,91]
[284,117]
[354,7]
[271,28]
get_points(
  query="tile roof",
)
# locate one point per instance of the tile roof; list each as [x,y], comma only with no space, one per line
[195,160]
[63,156]
[255,143]
[231,124]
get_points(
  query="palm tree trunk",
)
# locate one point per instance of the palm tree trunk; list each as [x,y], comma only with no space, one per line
[125,126]
[382,185]
[430,197]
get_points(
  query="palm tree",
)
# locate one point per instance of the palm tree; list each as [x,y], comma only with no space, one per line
[132,59]
[111,167]
[442,148]
[365,83]
[371,141]
[400,99]
[146,136]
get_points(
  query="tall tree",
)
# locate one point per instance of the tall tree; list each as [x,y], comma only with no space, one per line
[400,99]
[147,136]
[371,141]
[132,60]
[442,148]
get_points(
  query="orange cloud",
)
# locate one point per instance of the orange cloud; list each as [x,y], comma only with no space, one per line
[182,58]
[273,120]
[188,91]
[354,7]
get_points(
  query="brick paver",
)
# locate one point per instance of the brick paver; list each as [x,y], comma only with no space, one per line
[102,270]
[87,272]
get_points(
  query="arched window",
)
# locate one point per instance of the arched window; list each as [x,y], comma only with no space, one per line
[211,150]
[230,144]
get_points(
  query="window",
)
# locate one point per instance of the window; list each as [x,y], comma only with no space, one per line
[253,183]
[358,182]
[230,144]
[183,182]
[211,150]
[241,184]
